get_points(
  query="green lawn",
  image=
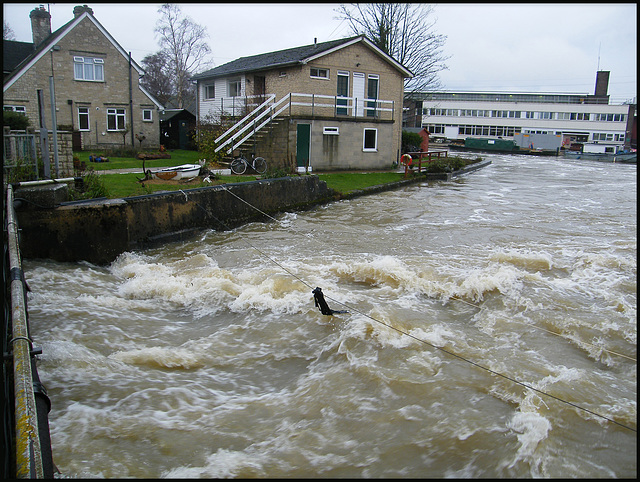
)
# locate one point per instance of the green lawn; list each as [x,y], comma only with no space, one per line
[352,181]
[177,157]
[126,185]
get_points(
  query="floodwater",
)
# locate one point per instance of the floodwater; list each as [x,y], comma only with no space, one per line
[491,332]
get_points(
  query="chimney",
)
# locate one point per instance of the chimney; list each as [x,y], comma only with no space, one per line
[80,9]
[40,25]
[602,83]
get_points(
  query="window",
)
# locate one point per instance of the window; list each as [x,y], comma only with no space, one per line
[83,119]
[235,88]
[319,73]
[578,116]
[210,91]
[147,115]
[370,141]
[116,119]
[88,68]
[564,116]
[372,93]
[16,108]
[342,91]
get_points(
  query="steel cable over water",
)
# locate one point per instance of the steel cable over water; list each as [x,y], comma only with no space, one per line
[352,308]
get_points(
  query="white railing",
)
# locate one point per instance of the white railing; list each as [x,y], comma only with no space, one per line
[312,105]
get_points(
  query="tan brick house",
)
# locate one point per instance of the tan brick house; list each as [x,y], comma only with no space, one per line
[326,106]
[96,85]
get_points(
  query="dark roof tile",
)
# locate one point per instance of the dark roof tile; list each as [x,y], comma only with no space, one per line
[271,60]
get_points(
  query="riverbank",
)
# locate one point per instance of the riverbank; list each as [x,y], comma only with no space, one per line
[99,230]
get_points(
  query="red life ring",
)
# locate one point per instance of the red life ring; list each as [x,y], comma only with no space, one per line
[406,159]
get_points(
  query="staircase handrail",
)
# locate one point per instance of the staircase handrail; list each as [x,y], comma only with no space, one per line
[265,112]
[273,116]
[270,98]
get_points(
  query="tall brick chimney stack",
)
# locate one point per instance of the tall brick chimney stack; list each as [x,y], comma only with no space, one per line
[602,83]
[80,9]
[40,25]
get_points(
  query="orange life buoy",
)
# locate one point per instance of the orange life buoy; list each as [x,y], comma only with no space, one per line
[406,159]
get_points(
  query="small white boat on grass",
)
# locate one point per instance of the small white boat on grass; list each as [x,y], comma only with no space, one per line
[177,173]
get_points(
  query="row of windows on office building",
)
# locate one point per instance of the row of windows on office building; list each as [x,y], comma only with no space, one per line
[515,114]
[508,131]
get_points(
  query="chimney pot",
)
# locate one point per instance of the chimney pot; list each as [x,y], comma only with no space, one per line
[40,25]
[80,9]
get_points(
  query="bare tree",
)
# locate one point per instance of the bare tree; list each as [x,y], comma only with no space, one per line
[183,41]
[157,79]
[406,33]
[7,31]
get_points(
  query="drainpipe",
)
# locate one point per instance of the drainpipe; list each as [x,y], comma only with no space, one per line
[55,125]
[131,101]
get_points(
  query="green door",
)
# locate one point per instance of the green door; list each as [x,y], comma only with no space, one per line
[303,144]
[183,132]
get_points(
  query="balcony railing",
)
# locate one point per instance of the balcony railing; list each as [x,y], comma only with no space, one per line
[256,115]
[303,104]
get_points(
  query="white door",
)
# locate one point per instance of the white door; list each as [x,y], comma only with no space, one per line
[358,93]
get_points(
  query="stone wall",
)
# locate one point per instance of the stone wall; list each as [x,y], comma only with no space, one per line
[65,150]
[100,230]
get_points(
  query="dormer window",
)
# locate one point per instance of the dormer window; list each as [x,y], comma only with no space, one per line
[88,68]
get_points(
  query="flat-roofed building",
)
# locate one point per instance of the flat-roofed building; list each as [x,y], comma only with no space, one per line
[578,118]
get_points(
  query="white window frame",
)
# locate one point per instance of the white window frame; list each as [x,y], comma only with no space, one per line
[207,92]
[93,64]
[364,140]
[237,81]
[318,72]
[118,113]
[144,115]
[20,109]
[88,115]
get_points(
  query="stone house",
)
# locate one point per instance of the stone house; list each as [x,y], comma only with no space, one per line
[96,86]
[327,106]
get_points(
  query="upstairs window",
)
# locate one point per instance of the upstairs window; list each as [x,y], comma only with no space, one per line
[147,115]
[210,91]
[319,73]
[88,68]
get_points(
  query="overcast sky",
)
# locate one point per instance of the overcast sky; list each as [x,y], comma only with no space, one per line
[494,47]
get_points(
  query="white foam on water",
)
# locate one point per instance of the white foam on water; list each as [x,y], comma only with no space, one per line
[223,464]
[170,357]
[531,429]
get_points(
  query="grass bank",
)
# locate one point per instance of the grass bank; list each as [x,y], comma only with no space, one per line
[125,185]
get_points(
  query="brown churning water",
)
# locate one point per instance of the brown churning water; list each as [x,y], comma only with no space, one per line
[208,358]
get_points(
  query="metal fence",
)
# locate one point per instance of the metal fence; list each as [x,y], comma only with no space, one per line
[20,154]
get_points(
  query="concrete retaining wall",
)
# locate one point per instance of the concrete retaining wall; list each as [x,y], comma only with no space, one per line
[100,230]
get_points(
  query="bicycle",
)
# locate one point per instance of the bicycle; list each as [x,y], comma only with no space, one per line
[239,165]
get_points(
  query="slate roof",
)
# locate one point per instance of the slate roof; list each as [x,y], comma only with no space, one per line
[13,53]
[21,50]
[281,58]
